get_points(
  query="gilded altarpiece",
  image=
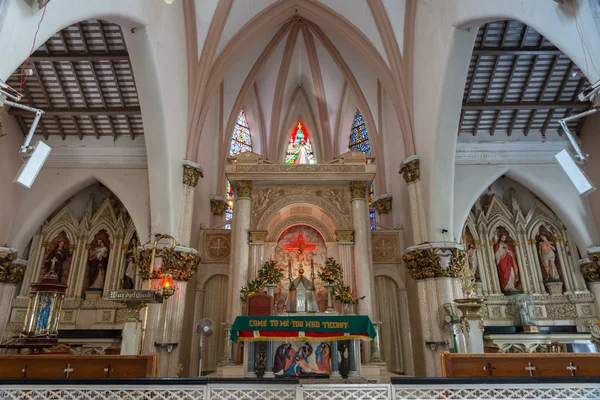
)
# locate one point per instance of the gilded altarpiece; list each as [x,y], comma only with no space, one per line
[92,256]
[514,254]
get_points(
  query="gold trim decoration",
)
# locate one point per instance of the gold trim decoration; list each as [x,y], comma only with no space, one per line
[191,175]
[10,272]
[383,205]
[243,189]
[344,236]
[591,270]
[218,206]
[410,170]
[516,243]
[559,239]
[477,242]
[423,263]
[124,246]
[258,236]
[88,246]
[72,248]
[358,189]
[491,242]
[532,242]
[180,264]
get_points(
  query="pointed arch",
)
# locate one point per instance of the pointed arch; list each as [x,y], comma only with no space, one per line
[359,141]
[241,141]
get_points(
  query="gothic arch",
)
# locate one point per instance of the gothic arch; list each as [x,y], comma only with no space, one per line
[319,226]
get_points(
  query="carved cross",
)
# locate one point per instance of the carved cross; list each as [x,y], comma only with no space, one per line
[53,261]
[488,367]
[24,370]
[299,246]
[108,370]
[530,367]
[68,370]
[572,368]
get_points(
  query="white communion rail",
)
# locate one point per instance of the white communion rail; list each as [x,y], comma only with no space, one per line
[190,390]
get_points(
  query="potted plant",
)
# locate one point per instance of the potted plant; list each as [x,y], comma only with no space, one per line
[347,297]
[253,287]
[270,274]
[331,274]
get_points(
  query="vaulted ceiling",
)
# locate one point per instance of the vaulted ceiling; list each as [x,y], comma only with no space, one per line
[519,83]
[83,80]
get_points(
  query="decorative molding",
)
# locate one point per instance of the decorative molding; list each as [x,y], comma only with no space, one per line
[181,262]
[590,267]
[385,247]
[243,189]
[258,236]
[521,152]
[433,260]
[11,269]
[218,206]
[192,172]
[217,246]
[410,169]
[358,189]
[100,157]
[346,236]
[383,204]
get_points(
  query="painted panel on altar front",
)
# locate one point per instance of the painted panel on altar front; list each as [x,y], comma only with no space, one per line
[286,257]
[302,358]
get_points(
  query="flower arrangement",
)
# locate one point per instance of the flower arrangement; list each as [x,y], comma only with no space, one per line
[345,295]
[270,273]
[254,286]
[332,273]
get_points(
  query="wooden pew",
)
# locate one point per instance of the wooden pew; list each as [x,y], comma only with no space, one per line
[455,365]
[71,366]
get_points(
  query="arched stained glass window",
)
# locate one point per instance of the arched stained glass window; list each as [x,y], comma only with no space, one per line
[300,150]
[241,141]
[359,141]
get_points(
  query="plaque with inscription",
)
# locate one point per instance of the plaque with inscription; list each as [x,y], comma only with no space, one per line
[141,296]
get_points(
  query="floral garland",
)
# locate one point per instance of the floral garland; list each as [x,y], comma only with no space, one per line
[270,273]
[332,273]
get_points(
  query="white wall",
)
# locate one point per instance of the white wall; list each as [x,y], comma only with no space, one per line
[10,162]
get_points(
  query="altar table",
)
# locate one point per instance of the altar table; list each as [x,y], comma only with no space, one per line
[302,328]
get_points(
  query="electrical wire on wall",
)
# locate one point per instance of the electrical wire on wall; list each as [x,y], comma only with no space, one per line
[23,77]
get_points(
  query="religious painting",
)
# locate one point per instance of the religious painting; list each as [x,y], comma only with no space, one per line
[300,150]
[506,261]
[302,358]
[129,267]
[97,263]
[471,249]
[546,246]
[57,260]
[311,257]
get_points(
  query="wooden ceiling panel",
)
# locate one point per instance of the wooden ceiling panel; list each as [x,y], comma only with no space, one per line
[83,80]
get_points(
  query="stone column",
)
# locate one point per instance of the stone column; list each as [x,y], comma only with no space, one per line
[11,273]
[335,360]
[412,175]
[257,245]
[132,330]
[383,207]
[217,208]
[251,357]
[590,269]
[435,267]
[473,323]
[345,245]
[363,268]
[353,358]
[192,172]
[240,228]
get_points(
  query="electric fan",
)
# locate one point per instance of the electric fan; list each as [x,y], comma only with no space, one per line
[203,328]
[449,321]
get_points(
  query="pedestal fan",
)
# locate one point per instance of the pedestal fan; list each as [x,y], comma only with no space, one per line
[203,328]
[449,321]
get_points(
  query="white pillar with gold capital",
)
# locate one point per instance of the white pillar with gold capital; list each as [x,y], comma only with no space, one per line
[363,261]
[412,175]
[11,273]
[240,229]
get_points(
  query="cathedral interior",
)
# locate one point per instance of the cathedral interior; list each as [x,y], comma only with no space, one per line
[357,191]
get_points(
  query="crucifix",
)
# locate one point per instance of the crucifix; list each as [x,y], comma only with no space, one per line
[53,261]
[68,370]
[530,367]
[24,370]
[488,367]
[572,368]
[299,247]
[108,370]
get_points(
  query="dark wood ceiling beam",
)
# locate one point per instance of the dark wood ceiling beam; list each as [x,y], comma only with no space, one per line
[67,112]
[515,51]
[524,106]
[131,134]
[512,123]
[541,97]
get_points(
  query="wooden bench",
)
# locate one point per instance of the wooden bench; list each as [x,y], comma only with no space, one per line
[71,366]
[519,364]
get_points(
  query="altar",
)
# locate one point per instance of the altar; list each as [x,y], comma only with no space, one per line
[302,345]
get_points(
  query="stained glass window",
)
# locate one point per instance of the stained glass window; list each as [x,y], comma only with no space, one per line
[359,141]
[300,150]
[241,141]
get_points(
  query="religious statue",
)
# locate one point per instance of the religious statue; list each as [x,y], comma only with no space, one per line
[547,253]
[506,262]
[130,267]
[54,261]
[298,361]
[98,263]
[299,150]
[344,365]
[44,315]
[323,358]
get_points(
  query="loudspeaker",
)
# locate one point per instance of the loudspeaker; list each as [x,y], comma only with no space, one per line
[32,165]
[582,183]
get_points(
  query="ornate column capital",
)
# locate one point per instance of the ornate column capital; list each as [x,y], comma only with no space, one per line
[344,236]
[358,189]
[11,269]
[243,189]
[410,169]
[590,266]
[217,205]
[191,173]
[432,260]
[258,236]
[383,204]
[181,262]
